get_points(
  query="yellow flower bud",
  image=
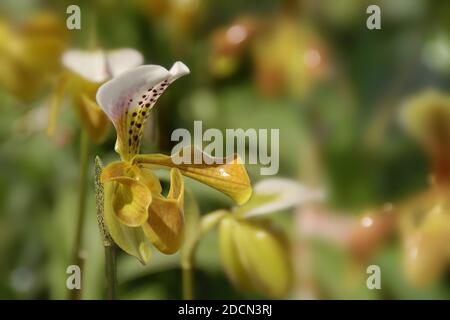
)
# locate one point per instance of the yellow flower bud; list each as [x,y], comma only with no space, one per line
[254,256]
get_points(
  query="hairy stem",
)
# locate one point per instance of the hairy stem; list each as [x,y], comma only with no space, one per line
[111,272]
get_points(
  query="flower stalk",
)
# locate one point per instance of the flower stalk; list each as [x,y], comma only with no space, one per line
[200,228]
[77,257]
[108,243]
[187,265]
[187,276]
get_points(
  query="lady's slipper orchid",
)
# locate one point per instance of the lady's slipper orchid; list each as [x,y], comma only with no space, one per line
[135,208]
[425,220]
[426,117]
[254,254]
[289,58]
[29,54]
[86,71]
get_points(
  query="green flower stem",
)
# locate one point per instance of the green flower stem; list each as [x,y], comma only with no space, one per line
[77,257]
[108,243]
[188,276]
[207,223]
[111,272]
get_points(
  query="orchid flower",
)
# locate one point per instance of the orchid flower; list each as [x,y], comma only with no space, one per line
[289,58]
[136,211]
[426,117]
[425,218]
[85,72]
[29,54]
[254,254]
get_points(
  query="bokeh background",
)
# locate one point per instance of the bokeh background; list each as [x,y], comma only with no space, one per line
[310,68]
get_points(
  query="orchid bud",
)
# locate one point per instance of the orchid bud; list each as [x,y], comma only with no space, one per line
[255,256]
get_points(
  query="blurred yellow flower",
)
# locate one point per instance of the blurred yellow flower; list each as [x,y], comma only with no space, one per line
[85,72]
[30,54]
[135,208]
[426,116]
[425,229]
[229,43]
[290,57]
[287,56]
[425,220]
[177,17]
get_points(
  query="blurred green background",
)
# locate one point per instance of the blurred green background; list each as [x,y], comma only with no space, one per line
[310,68]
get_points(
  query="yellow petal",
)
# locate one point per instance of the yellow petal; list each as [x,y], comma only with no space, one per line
[131,201]
[55,104]
[122,168]
[148,178]
[426,116]
[114,170]
[93,119]
[165,224]
[229,255]
[130,239]
[426,250]
[230,177]
[44,38]
[29,55]
[425,258]
[131,198]
[21,82]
